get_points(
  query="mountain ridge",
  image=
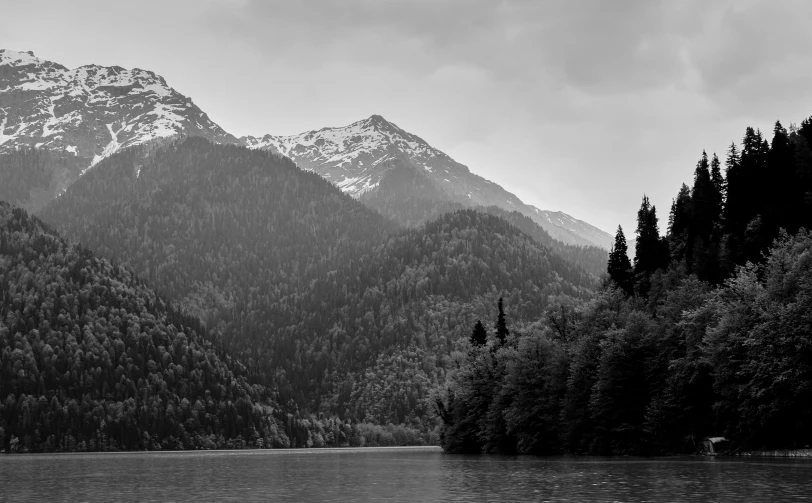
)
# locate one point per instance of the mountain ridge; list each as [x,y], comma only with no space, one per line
[88,113]
[357,157]
[92,111]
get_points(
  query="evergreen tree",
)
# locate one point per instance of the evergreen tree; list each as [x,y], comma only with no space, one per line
[718,182]
[620,268]
[479,336]
[704,213]
[649,248]
[501,325]
[781,184]
[802,140]
[678,223]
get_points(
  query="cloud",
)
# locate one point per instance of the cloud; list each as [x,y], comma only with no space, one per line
[578,105]
[594,45]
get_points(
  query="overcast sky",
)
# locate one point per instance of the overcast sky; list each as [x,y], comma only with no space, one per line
[578,106]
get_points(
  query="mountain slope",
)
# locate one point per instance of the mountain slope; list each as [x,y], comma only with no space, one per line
[83,115]
[92,111]
[562,227]
[92,359]
[409,197]
[357,157]
[310,287]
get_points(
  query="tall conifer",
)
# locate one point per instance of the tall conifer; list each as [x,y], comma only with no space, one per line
[678,222]
[620,267]
[649,247]
[719,187]
[501,325]
[479,336]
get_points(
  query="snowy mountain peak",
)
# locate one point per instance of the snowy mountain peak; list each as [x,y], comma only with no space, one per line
[358,156]
[92,111]
[19,58]
[354,157]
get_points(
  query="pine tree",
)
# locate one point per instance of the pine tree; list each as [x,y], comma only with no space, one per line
[501,325]
[782,184]
[802,140]
[649,248]
[620,268]
[703,215]
[753,223]
[678,222]
[479,336]
[719,187]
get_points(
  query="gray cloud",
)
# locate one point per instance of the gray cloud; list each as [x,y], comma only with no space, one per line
[578,105]
[595,45]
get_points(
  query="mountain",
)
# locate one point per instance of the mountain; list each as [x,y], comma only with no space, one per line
[88,113]
[83,115]
[357,157]
[314,291]
[583,230]
[409,197]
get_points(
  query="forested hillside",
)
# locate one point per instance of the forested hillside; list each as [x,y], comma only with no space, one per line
[92,359]
[313,290]
[705,333]
[410,198]
[31,178]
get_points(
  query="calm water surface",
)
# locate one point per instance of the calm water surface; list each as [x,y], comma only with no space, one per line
[394,475]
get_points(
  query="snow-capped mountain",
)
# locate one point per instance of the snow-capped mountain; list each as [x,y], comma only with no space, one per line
[356,158]
[91,111]
[88,113]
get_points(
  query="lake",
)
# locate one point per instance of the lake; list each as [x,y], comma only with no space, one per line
[393,475]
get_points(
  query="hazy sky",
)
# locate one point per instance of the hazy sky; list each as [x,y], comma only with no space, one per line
[579,106]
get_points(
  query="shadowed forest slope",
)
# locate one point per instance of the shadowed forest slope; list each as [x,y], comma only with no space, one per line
[310,287]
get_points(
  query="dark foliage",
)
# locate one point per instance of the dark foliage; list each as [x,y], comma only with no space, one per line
[315,293]
[619,267]
[91,359]
[715,341]
[650,377]
[479,337]
[31,178]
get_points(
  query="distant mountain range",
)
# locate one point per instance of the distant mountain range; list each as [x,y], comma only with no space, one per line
[91,112]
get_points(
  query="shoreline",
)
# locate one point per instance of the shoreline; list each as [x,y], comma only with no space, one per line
[303,450]
[773,453]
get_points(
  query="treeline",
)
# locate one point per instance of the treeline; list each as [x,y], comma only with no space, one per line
[725,219]
[619,375]
[315,293]
[705,333]
[93,360]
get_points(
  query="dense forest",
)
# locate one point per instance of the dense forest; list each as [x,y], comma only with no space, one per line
[315,293]
[705,333]
[31,178]
[92,359]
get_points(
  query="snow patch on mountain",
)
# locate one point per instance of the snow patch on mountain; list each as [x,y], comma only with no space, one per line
[356,157]
[91,111]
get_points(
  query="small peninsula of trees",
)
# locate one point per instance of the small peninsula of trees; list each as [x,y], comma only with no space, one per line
[707,332]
